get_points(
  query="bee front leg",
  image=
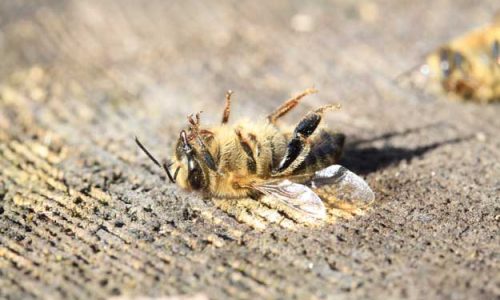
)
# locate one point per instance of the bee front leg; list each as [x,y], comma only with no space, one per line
[298,147]
[227,108]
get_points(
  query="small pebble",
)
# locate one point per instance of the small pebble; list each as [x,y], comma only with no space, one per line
[302,23]
[480,136]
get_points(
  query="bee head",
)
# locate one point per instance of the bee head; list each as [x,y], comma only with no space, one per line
[189,173]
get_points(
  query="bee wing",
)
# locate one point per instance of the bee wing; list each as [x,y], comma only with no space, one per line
[342,184]
[296,196]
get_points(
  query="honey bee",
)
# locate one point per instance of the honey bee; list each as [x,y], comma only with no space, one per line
[259,160]
[468,66]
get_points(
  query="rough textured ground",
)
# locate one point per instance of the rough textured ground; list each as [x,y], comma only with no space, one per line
[84,214]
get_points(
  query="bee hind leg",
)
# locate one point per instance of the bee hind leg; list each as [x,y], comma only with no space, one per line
[288,105]
[326,149]
[298,147]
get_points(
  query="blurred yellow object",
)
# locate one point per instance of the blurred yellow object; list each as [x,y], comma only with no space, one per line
[467,67]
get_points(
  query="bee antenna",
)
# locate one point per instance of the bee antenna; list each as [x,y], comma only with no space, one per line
[164,166]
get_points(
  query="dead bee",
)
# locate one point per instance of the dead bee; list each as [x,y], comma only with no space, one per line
[468,66]
[258,160]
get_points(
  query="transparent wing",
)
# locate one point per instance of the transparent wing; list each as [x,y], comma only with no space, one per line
[296,196]
[338,182]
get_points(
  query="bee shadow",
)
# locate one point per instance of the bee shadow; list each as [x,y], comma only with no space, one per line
[364,160]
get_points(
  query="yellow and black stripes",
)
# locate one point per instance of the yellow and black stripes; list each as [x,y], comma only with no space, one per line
[326,149]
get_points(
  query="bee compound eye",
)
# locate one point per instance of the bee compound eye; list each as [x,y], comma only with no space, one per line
[196,177]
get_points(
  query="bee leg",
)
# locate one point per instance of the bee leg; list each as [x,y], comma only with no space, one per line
[205,154]
[288,105]
[196,133]
[298,147]
[195,123]
[207,157]
[227,108]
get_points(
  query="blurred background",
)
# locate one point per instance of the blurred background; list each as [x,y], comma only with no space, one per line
[158,53]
